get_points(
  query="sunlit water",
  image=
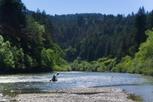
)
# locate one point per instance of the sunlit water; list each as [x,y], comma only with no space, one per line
[137,84]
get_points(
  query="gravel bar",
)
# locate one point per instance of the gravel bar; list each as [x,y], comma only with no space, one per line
[77,95]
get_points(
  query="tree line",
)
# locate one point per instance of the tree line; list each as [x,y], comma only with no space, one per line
[26,43]
[92,36]
[36,42]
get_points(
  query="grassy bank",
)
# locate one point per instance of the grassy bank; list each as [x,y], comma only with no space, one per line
[135,98]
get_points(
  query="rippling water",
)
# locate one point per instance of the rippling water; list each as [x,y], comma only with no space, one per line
[137,84]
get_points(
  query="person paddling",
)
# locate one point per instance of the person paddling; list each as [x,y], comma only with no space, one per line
[54,78]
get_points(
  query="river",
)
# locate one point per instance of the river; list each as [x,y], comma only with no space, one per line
[33,83]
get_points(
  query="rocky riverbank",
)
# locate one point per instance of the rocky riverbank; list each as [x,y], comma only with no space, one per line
[77,95]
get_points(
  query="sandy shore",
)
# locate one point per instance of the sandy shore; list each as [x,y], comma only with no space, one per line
[77,95]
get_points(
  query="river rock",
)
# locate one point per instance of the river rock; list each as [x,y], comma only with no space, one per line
[77,95]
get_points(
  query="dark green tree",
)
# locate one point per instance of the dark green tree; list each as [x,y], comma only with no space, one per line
[140,24]
[12,13]
[150,20]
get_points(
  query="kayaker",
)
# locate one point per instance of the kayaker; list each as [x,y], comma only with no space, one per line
[54,78]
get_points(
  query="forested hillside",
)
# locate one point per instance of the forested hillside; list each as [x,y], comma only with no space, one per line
[92,36]
[26,45]
[37,42]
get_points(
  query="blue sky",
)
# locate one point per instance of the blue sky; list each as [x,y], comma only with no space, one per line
[88,6]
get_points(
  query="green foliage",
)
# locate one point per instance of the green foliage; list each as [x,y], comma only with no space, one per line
[144,56]
[78,65]
[135,98]
[93,36]
[36,31]
[28,61]
[30,41]
[50,58]
[101,65]
[12,13]
[70,53]
[142,62]
[18,57]
[6,55]
[11,57]
[29,45]
[106,64]
[140,24]
[124,65]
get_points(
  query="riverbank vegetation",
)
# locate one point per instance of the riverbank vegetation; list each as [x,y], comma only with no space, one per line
[37,42]
[135,98]
[140,63]
[101,65]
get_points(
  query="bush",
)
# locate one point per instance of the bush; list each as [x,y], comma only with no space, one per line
[142,62]
[101,65]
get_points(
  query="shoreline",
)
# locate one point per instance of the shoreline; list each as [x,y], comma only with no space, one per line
[106,94]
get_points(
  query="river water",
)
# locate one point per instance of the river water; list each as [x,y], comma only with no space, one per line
[32,83]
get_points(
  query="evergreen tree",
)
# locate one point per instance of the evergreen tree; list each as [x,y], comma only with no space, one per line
[140,24]
[12,13]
